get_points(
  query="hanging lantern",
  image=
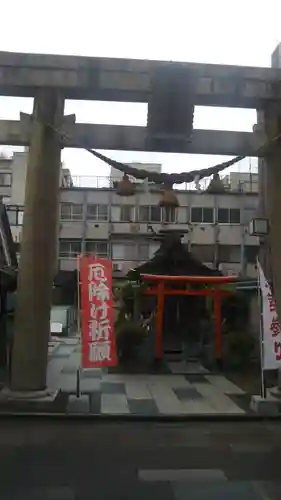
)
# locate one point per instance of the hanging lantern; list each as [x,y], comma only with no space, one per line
[125,187]
[169,198]
[216,185]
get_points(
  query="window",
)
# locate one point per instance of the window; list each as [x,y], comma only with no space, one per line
[229,253]
[202,215]
[155,214]
[15,215]
[205,253]
[71,211]
[223,215]
[169,214]
[144,251]
[69,249]
[251,252]
[117,251]
[229,215]
[150,214]
[97,212]
[5,179]
[126,213]
[129,251]
[99,248]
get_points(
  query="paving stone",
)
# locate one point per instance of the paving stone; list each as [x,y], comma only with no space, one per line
[166,400]
[197,407]
[67,382]
[114,404]
[92,373]
[95,403]
[183,393]
[64,351]
[196,377]
[224,384]
[112,388]
[69,368]
[78,405]
[114,377]
[186,367]
[181,475]
[54,370]
[143,407]
[137,389]
[73,341]
[90,385]
[217,399]
[73,363]
[52,347]
[215,490]
[169,380]
[243,401]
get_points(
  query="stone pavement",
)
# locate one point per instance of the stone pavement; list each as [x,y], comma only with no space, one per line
[188,390]
[66,460]
[194,392]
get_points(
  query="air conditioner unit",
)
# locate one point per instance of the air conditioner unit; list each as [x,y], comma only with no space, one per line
[134,228]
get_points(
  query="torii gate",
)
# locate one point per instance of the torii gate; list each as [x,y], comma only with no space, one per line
[167,87]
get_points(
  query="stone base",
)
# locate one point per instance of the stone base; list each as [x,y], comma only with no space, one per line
[269,406]
[46,396]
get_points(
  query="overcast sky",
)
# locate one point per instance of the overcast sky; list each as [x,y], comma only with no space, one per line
[244,32]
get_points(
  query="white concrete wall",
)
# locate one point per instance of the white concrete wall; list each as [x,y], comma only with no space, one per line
[19,175]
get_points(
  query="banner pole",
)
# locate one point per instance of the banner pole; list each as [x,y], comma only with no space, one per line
[78,296]
[263,381]
[78,325]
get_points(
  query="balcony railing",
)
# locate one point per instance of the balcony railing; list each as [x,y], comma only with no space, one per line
[105,182]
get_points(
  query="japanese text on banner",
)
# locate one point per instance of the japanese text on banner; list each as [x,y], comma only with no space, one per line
[270,325]
[98,340]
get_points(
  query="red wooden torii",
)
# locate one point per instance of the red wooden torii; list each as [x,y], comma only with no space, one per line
[160,291]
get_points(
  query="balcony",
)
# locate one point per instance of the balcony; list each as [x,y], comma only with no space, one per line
[107,182]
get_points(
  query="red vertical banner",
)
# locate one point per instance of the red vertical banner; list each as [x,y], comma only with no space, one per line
[98,339]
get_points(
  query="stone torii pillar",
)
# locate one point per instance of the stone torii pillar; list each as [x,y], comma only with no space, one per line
[271,182]
[38,244]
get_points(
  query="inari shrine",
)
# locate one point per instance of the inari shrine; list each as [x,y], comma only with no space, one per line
[213,288]
[184,292]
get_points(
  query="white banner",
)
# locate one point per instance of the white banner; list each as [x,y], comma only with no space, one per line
[271,333]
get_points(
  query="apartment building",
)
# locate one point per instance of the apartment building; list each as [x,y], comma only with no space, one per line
[97,220]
